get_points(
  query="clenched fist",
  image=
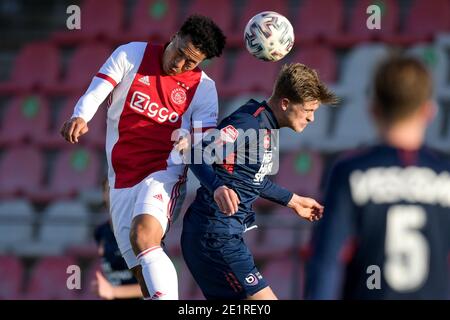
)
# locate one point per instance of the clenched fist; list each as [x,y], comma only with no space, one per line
[227,200]
[72,129]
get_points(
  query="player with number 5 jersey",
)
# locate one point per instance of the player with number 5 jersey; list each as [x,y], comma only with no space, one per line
[385,232]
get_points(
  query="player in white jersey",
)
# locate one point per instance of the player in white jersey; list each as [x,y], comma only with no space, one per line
[153,91]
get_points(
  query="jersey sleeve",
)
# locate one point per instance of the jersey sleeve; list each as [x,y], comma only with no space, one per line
[204,115]
[205,110]
[325,268]
[275,193]
[117,65]
[217,146]
[109,75]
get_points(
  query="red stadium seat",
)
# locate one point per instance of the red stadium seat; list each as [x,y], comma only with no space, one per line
[74,169]
[220,11]
[215,69]
[153,20]
[357,30]
[83,66]
[49,279]
[424,20]
[36,66]
[95,26]
[250,75]
[301,172]
[25,118]
[251,8]
[11,274]
[319,20]
[21,170]
[320,58]
[95,137]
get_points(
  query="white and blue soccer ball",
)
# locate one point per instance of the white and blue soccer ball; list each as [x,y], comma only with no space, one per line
[269,36]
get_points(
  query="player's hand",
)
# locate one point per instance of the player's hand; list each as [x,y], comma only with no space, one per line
[306,208]
[227,200]
[72,129]
[182,145]
[102,287]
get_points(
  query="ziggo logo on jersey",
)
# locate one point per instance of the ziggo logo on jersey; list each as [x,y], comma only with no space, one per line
[140,102]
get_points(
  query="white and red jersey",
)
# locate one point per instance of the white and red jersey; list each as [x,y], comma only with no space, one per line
[145,108]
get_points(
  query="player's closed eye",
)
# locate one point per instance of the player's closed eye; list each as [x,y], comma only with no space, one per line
[188,62]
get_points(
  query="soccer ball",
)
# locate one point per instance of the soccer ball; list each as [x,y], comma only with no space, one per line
[269,36]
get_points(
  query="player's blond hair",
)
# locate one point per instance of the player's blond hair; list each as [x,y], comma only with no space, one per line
[299,83]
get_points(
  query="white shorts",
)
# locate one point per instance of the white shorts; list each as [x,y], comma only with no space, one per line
[160,195]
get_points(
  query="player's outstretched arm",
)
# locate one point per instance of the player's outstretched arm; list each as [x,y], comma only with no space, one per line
[306,208]
[73,128]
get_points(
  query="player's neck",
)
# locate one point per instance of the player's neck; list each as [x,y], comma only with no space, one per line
[405,136]
[276,112]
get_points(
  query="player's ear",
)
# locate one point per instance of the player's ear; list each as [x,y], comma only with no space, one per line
[284,103]
[429,110]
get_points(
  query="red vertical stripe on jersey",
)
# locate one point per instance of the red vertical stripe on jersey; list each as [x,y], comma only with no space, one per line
[175,195]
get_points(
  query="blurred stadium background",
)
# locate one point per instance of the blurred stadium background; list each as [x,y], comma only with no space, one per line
[50,191]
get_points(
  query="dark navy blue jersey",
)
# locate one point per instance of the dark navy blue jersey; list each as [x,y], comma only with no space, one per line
[113,265]
[385,229]
[248,138]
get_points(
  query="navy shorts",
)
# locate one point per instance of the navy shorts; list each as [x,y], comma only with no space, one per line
[222,265]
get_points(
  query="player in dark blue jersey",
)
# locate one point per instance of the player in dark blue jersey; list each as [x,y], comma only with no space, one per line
[115,281]
[385,232]
[232,163]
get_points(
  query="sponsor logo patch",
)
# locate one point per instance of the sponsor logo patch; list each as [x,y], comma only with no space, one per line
[229,134]
[251,279]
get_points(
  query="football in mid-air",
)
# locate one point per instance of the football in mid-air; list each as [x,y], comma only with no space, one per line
[269,36]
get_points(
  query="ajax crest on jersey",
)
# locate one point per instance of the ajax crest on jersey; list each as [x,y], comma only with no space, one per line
[269,36]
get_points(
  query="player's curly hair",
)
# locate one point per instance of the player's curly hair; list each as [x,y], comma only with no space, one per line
[205,35]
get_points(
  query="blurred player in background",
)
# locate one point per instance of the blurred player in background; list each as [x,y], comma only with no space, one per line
[213,226]
[115,281]
[385,232]
[154,90]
